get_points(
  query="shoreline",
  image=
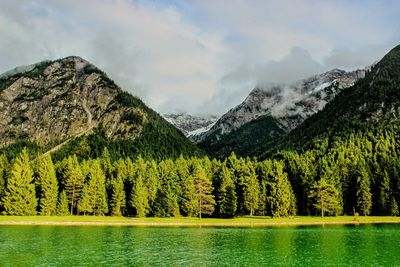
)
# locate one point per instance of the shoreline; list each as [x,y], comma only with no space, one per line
[192,222]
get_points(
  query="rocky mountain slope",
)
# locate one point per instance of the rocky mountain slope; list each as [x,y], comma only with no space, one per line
[190,125]
[372,104]
[277,108]
[53,103]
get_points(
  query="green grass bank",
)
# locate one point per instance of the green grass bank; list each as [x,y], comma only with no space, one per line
[258,221]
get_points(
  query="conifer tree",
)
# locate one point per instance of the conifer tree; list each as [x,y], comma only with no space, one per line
[187,200]
[384,193]
[152,181]
[74,180]
[166,203]
[46,177]
[325,197]
[280,195]
[20,198]
[85,204]
[364,196]
[118,197]
[62,204]
[139,198]
[204,189]
[96,189]
[227,200]
[251,188]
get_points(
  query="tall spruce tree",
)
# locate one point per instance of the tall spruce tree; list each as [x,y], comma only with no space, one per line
[325,198]
[227,200]
[166,203]
[204,189]
[364,196]
[251,188]
[94,195]
[20,197]
[280,197]
[152,181]
[118,197]
[47,180]
[62,204]
[74,180]
[139,198]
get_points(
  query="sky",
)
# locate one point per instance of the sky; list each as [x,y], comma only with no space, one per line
[199,56]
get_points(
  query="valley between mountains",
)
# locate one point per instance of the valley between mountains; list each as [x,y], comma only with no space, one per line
[74,142]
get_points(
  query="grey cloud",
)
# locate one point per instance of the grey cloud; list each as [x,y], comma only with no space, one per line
[348,59]
[236,85]
[178,61]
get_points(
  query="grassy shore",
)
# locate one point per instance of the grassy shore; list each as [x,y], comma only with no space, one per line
[191,222]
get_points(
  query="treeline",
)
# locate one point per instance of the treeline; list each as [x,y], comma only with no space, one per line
[358,173]
[135,187]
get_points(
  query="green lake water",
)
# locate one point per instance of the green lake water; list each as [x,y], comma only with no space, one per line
[359,245]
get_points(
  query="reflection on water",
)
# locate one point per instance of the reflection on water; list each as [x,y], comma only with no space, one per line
[362,245]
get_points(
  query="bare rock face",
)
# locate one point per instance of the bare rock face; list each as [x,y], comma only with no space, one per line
[290,105]
[51,102]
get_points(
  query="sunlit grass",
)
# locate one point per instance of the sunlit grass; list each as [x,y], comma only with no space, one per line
[188,221]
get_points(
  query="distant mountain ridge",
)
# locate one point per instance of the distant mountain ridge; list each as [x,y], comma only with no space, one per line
[278,108]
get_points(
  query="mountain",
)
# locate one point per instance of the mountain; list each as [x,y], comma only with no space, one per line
[270,112]
[190,125]
[372,104]
[71,106]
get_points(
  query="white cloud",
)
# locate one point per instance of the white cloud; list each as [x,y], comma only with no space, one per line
[199,56]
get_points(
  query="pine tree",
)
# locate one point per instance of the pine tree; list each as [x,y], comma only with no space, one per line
[139,198]
[97,190]
[384,193]
[152,181]
[85,204]
[251,188]
[74,180]
[227,200]
[46,177]
[107,167]
[20,198]
[118,197]
[364,196]
[166,202]
[187,200]
[62,205]
[204,189]
[325,197]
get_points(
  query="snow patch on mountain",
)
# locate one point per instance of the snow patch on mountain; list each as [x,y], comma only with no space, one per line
[191,125]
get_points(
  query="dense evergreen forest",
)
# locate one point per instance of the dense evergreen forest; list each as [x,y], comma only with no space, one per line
[342,160]
[353,174]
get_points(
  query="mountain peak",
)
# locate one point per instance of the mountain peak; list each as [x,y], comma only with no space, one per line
[56,102]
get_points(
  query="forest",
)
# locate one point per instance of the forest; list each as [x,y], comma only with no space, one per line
[353,174]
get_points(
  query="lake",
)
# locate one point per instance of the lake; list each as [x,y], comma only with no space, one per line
[346,245]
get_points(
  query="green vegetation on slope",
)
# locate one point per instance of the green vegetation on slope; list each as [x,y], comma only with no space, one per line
[246,140]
